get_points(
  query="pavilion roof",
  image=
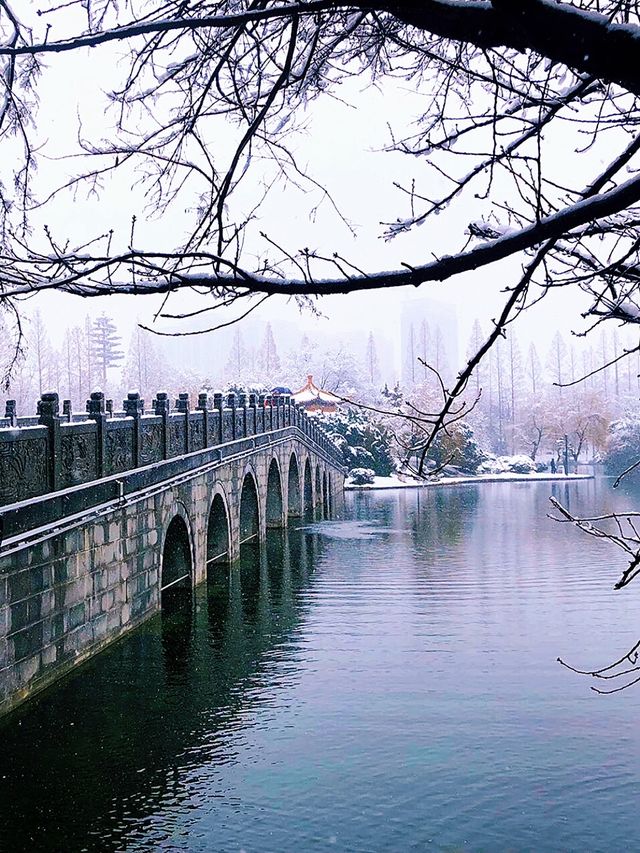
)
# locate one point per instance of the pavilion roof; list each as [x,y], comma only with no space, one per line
[310,392]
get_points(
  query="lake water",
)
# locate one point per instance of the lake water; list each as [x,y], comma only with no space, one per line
[383,682]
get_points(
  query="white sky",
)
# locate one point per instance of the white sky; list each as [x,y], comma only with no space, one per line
[339,147]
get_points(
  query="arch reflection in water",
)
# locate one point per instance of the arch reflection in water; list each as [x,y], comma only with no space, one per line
[136,725]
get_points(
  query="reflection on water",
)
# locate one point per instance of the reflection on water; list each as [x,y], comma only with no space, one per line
[382,683]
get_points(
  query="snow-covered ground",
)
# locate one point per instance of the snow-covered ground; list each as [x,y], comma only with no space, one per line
[395,482]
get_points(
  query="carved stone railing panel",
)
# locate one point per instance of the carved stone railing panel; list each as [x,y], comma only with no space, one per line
[150,440]
[119,447]
[176,435]
[24,464]
[78,454]
[59,448]
[227,425]
[213,435]
[196,431]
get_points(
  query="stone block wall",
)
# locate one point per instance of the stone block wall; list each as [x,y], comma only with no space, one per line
[66,592]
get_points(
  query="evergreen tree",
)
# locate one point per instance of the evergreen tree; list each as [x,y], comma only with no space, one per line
[237,366]
[268,359]
[105,345]
[41,350]
[558,363]
[475,342]
[438,355]
[371,361]
[425,345]
[411,358]
[144,368]
[86,343]
[535,377]
[300,362]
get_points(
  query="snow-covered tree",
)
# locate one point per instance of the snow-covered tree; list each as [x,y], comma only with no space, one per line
[533,371]
[105,346]
[144,368]
[621,450]
[364,440]
[268,358]
[237,366]
[371,360]
[558,364]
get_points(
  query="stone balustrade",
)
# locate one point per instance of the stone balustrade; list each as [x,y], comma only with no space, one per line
[58,449]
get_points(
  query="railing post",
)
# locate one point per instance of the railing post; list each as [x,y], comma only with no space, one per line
[66,410]
[96,412]
[11,413]
[109,408]
[161,407]
[203,406]
[49,414]
[182,405]
[253,414]
[268,407]
[231,403]
[242,404]
[261,405]
[218,404]
[133,407]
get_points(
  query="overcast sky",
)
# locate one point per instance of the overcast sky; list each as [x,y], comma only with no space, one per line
[360,183]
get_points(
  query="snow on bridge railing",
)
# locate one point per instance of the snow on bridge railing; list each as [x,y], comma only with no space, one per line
[55,450]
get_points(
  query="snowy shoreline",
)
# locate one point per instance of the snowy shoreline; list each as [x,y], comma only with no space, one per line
[396,483]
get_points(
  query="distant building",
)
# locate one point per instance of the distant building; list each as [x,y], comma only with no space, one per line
[314,399]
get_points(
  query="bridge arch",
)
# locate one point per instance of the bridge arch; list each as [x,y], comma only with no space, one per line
[294,505]
[249,510]
[307,505]
[274,506]
[176,572]
[218,531]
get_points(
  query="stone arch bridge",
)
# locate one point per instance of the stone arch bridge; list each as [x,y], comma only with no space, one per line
[108,516]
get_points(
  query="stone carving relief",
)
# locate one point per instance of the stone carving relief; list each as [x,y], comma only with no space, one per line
[213,428]
[78,459]
[150,444]
[23,469]
[196,432]
[119,450]
[176,436]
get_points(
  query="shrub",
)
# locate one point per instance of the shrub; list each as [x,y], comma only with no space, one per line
[361,476]
[509,465]
[623,446]
[457,446]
